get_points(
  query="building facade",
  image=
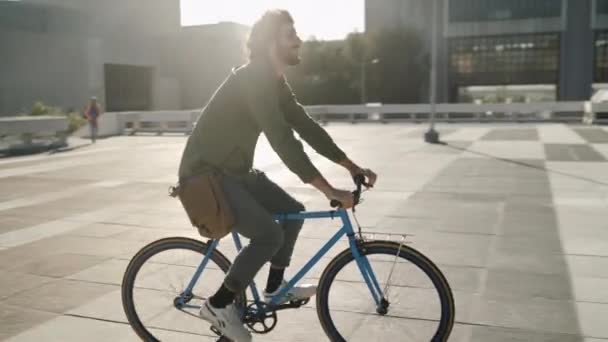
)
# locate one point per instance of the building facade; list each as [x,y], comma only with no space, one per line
[131,57]
[508,50]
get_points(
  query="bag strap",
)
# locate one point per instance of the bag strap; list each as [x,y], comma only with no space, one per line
[174,190]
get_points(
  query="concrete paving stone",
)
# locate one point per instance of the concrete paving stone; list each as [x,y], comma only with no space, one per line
[67,328]
[59,296]
[510,149]
[455,198]
[553,316]
[17,319]
[592,319]
[43,212]
[144,236]
[585,244]
[590,172]
[516,223]
[452,147]
[10,223]
[503,284]
[592,135]
[108,272]
[529,241]
[506,187]
[466,134]
[558,134]
[59,265]
[14,282]
[35,251]
[529,134]
[587,266]
[27,186]
[566,198]
[106,307]
[589,218]
[431,209]
[590,289]
[100,230]
[91,246]
[602,149]
[420,225]
[153,221]
[501,334]
[572,153]
[528,261]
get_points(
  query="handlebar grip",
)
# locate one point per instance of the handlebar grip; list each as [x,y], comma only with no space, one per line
[359,179]
[335,203]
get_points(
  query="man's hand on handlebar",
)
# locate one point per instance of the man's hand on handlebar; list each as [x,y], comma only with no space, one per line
[370,176]
[355,170]
[345,199]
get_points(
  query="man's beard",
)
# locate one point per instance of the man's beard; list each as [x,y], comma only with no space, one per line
[290,58]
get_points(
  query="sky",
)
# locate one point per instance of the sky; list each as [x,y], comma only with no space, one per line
[324,19]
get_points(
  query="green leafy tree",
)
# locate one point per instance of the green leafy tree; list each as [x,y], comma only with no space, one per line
[392,64]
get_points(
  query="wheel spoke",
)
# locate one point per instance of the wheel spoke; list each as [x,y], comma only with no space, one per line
[421,303]
[158,276]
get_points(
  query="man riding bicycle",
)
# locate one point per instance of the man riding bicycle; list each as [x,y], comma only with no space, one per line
[256,98]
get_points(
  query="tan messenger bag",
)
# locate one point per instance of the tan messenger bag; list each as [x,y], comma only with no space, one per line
[205,203]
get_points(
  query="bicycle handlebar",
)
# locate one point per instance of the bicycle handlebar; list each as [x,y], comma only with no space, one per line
[359,181]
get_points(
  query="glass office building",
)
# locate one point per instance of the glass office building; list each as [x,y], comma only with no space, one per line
[513,46]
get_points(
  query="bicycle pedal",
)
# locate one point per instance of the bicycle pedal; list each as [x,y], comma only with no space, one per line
[300,302]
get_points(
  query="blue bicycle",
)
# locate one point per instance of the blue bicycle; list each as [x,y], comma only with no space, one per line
[373,289]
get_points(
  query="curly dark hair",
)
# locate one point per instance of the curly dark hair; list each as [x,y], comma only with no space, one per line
[265,30]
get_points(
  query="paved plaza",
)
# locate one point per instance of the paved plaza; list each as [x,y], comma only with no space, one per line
[515,215]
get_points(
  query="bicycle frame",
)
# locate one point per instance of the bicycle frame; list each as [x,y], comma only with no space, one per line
[347,229]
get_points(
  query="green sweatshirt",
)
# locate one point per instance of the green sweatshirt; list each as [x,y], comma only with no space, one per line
[250,101]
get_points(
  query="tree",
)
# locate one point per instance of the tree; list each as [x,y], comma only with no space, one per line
[332,72]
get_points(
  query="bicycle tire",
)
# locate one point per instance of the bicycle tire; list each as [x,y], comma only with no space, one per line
[149,251]
[386,247]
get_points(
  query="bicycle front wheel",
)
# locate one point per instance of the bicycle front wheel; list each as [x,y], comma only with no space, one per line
[418,302]
[153,289]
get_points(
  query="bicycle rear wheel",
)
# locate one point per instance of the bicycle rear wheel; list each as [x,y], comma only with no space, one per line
[420,301]
[153,287]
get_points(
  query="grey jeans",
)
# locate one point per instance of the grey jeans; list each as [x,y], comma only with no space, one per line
[254,200]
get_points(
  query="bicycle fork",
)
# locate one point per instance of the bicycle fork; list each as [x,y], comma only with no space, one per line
[370,278]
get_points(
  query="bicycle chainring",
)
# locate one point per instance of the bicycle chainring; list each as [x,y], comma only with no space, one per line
[260,318]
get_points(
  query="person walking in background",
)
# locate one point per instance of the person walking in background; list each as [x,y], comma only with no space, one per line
[92,112]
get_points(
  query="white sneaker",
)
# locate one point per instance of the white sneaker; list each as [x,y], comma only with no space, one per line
[298,292]
[227,320]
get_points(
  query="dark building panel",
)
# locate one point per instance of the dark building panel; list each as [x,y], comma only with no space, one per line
[496,60]
[576,66]
[492,10]
[601,6]
[601,57]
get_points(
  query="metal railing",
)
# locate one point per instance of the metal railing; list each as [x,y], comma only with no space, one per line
[183,121]
[453,112]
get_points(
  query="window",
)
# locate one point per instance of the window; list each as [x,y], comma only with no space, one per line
[128,87]
[521,59]
[601,57]
[490,10]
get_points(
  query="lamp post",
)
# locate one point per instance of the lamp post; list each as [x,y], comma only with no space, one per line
[432,136]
